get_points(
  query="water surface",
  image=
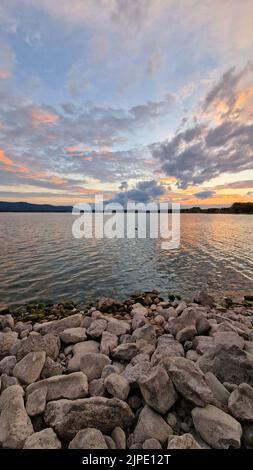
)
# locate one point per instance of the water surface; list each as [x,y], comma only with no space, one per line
[40,259]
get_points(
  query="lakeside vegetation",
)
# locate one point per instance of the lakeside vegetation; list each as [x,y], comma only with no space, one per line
[236,208]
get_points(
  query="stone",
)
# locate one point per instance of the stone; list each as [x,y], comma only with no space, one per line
[151,444]
[7,341]
[133,373]
[96,388]
[142,357]
[186,334]
[119,438]
[186,441]
[189,380]
[217,428]
[79,350]
[15,424]
[51,368]
[166,347]
[146,333]
[228,338]
[110,442]
[48,343]
[203,344]
[151,425]
[73,335]
[109,342]
[203,298]
[70,386]
[88,438]
[28,370]
[190,317]
[7,365]
[57,326]
[125,352]
[118,327]
[219,391]
[96,328]
[7,381]
[6,321]
[158,390]
[139,309]
[106,303]
[192,355]
[240,403]
[45,439]
[247,435]
[228,364]
[68,417]
[36,401]
[139,319]
[181,307]
[92,364]
[110,369]
[117,386]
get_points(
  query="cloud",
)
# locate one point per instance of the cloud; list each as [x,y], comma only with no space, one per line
[4,159]
[7,61]
[204,151]
[144,192]
[204,194]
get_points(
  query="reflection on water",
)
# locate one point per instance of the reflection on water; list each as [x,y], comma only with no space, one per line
[40,260]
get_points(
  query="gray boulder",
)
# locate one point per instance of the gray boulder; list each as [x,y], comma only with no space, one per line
[62,386]
[228,364]
[125,352]
[217,428]
[28,370]
[36,401]
[117,327]
[45,439]
[117,386]
[57,326]
[48,343]
[186,441]
[73,335]
[7,341]
[15,424]
[92,364]
[166,347]
[51,368]
[119,438]
[151,425]
[146,333]
[240,403]
[79,350]
[88,439]
[68,417]
[189,380]
[109,342]
[158,390]
[7,365]
[96,328]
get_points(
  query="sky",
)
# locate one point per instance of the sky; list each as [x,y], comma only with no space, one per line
[138,100]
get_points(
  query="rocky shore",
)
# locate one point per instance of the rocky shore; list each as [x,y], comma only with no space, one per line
[146,373]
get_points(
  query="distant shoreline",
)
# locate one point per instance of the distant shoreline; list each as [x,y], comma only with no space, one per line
[25,207]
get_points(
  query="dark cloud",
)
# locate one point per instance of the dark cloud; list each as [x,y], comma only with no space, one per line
[204,194]
[204,151]
[144,192]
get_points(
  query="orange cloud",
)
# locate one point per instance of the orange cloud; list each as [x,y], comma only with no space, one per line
[56,180]
[4,159]
[4,74]
[88,159]
[40,117]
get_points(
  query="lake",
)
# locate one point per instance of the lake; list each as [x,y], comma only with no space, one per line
[41,261]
